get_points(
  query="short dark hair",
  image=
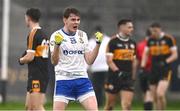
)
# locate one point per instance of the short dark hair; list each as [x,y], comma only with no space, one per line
[69,11]
[155,25]
[34,14]
[99,28]
[123,22]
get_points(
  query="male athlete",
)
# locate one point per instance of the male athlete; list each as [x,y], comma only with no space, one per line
[69,53]
[163,50]
[144,74]
[36,57]
[121,61]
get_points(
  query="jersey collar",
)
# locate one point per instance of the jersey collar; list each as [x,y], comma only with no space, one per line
[38,27]
[120,36]
[68,33]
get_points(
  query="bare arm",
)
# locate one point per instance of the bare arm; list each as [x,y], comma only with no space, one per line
[111,64]
[56,40]
[134,68]
[55,55]
[91,55]
[27,58]
[144,57]
[173,57]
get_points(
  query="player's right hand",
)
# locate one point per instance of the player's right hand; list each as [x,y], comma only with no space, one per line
[21,57]
[162,63]
[58,39]
[19,61]
[142,71]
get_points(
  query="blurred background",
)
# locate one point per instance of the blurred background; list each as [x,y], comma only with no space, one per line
[105,13]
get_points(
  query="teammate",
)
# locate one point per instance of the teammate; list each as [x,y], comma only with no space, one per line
[121,62]
[69,53]
[36,57]
[145,73]
[163,50]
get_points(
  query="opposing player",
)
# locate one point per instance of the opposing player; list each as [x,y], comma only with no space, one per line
[163,50]
[144,74]
[36,57]
[69,53]
[121,60]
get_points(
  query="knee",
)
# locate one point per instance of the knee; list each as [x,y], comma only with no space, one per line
[126,105]
[36,107]
[160,95]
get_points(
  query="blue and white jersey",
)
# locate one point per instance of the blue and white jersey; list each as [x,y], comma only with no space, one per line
[71,63]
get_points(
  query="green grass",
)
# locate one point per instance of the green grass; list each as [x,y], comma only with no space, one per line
[172,105]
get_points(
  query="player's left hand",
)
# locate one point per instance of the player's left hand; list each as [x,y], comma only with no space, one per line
[162,63]
[99,37]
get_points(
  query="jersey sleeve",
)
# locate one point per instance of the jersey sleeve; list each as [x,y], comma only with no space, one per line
[87,47]
[32,41]
[172,43]
[110,48]
[52,43]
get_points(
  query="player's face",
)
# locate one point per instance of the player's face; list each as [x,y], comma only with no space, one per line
[156,32]
[127,29]
[72,22]
[27,20]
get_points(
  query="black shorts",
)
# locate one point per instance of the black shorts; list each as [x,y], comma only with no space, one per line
[117,81]
[144,80]
[37,85]
[158,74]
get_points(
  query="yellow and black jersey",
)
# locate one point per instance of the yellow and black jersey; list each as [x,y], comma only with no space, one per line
[123,52]
[38,42]
[160,49]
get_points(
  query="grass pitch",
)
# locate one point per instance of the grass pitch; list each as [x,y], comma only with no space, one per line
[172,105]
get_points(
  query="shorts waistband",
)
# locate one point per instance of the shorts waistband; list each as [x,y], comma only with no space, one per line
[70,74]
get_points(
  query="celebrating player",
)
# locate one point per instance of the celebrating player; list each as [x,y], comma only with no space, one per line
[36,57]
[69,53]
[144,74]
[121,61]
[163,50]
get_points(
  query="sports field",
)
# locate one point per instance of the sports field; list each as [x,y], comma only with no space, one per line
[172,105]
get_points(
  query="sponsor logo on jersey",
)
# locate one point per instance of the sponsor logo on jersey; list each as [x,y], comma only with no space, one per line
[152,42]
[163,42]
[132,46]
[81,40]
[119,45]
[72,52]
[126,46]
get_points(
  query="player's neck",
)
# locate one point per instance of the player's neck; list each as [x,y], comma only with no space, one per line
[34,25]
[123,36]
[65,30]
